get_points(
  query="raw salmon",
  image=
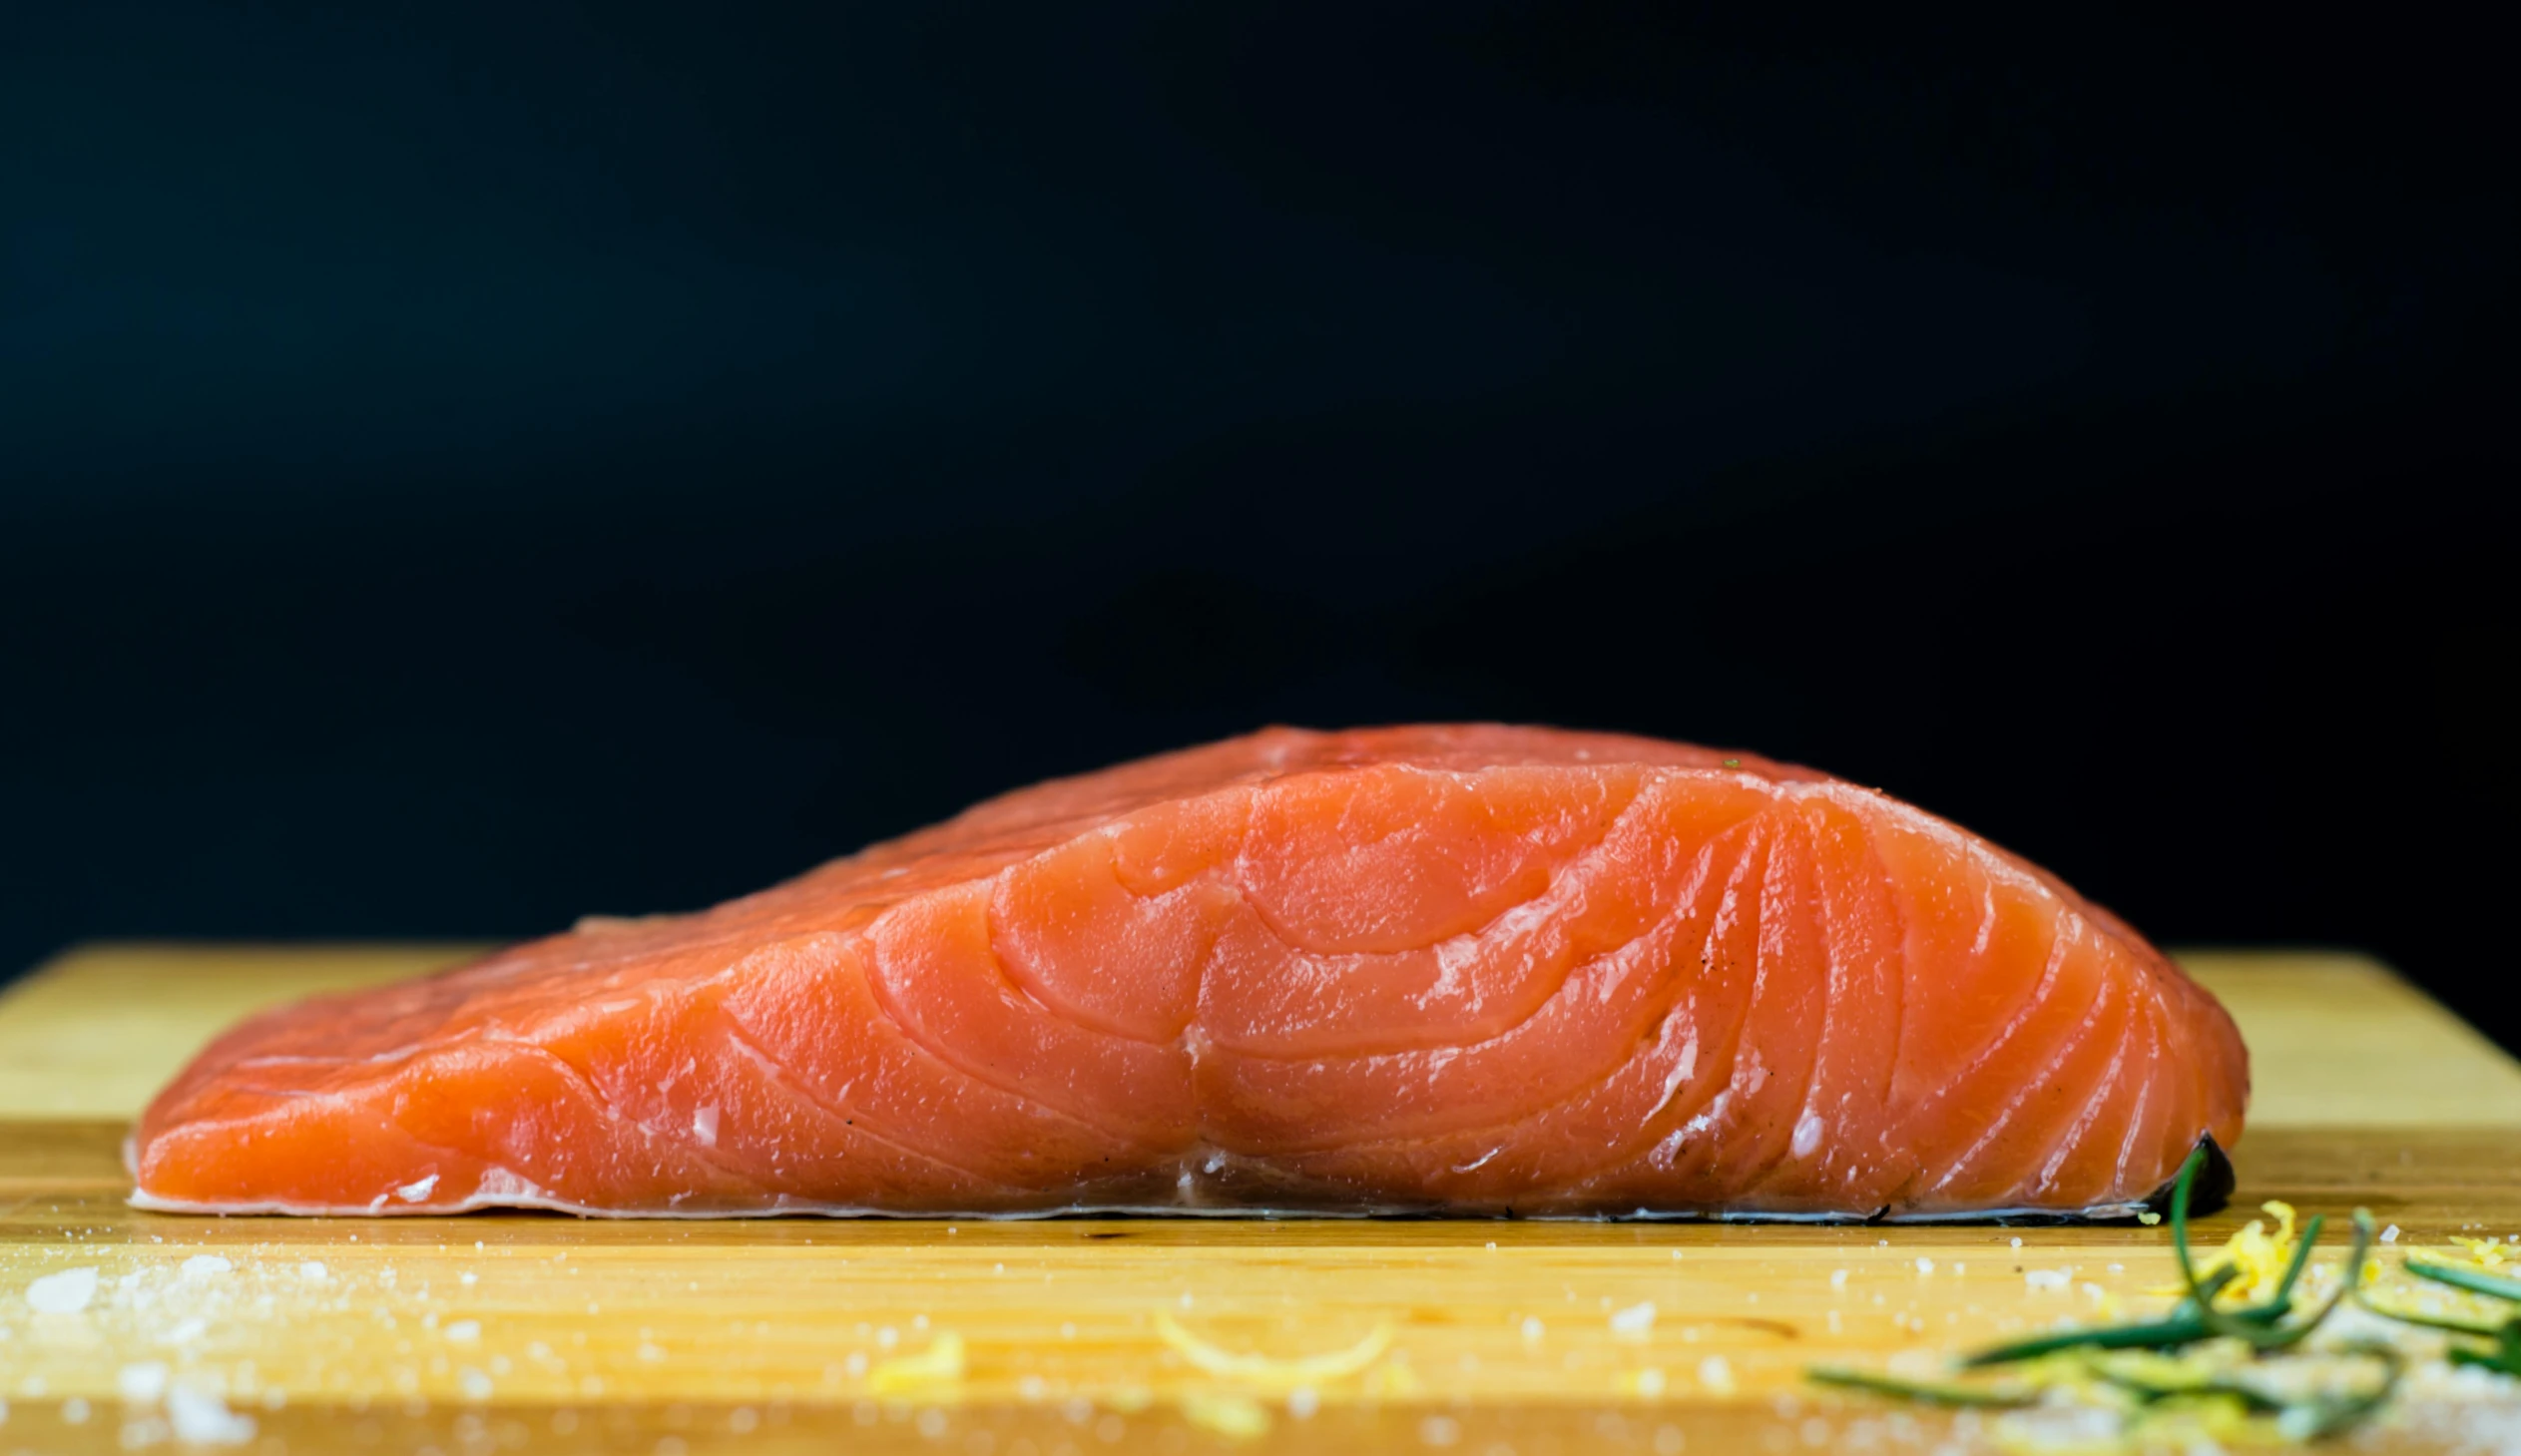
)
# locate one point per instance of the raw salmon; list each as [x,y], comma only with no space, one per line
[1473,969]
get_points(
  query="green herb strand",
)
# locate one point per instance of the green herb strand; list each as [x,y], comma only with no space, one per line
[2324,1416]
[2259,1335]
[2260,1326]
[2181,1328]
[2435,1322]
[2150,1391]
[2469,1280]
[2301,1261]
[1930,1392]
[2196,1318]
[2505,1356]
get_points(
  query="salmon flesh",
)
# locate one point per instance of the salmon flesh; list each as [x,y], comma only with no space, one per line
[1442,969]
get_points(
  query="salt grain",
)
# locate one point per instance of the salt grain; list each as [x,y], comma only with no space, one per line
[463,1332]
[66,1292]
[1636,1319]
[142,1383]
[203,1419]
[204,1265]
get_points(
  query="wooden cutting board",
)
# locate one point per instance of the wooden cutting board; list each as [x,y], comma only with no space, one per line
[1064,1338]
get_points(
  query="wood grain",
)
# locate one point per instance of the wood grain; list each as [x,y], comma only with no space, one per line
[2336,1040]
[517,1332]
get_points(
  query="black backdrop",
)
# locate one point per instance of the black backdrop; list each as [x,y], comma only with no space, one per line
[467,466]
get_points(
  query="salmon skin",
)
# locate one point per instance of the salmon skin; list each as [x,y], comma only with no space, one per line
[1442,969]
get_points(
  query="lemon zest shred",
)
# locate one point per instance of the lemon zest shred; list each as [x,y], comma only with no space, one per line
[1236,1417]
[2486,1254]
[1268,1372]
[2256,1255]
[941,1364]
[1393,1378]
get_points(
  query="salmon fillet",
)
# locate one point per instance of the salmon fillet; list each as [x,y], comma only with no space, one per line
[1455,968]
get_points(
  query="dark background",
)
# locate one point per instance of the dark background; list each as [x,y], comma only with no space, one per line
[467,466]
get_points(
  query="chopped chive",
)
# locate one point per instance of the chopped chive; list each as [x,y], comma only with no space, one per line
[1930,1392]
[2349,1279]
[2181,1327]
[2469,1280]
[2180,1192]
[2257,1334]
[2258,1402]
[2302,1257]
[2323,1416]
[2483,1359]
[2435,1321]
[2505,1356]
[2260,1326]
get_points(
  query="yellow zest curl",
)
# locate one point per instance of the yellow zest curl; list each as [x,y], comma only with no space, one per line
[941,1364]
[1236,1417]
[1267,1373]
[2486,1254]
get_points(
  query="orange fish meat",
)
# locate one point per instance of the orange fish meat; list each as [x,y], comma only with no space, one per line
[1468,969]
